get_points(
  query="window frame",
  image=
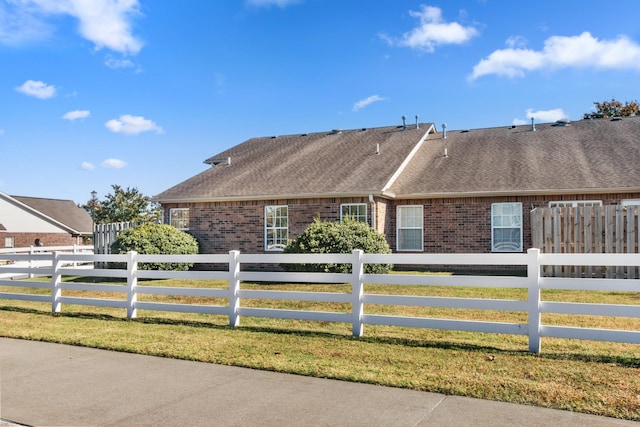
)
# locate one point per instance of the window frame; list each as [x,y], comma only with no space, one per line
[495,227]
[630,202]
[277,245]
[8,239]
[358,217]
[574,203]
[180,221]
[401,227]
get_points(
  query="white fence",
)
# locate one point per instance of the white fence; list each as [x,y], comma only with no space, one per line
[31,261]
[62,265]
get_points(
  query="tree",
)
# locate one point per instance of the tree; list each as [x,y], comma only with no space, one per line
[615,108]
[154,239]
[338,237]
[123,205]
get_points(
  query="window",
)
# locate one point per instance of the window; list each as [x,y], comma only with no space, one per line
[575,204]
[276,227]
[179,218]
[356,211]
[8,242]
[409,228]
[506,227]
[631,202]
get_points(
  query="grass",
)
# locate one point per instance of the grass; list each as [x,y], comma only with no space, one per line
[585,376]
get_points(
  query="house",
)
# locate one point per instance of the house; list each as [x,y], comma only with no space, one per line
[426,189]
[33,221]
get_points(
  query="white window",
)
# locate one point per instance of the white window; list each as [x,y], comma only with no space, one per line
[355,211]
[179,218]
[409,234]
[575,203]
[631,202]
[8,242]
[276,227]
[506,227]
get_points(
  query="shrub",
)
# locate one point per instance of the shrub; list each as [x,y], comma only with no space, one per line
[153,238]
[335,237]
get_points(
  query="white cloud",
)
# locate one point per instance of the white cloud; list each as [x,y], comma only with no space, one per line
[367,101]
[542,116]
[114,164]
[76,114]
[37,89]
[106,23]
[117,63]
[20,24]
[87,166]
[583,51]
[132,125]
[432,31]
[268,3]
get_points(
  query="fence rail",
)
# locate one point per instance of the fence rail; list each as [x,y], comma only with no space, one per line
[126,297]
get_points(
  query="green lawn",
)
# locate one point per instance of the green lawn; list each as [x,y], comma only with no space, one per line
[592,377]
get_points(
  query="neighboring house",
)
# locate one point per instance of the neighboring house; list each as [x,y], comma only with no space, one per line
[464,191]
[33,221]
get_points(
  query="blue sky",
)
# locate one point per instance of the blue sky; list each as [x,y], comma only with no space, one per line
[138,92]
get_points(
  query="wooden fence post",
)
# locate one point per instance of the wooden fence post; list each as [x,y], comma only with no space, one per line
[357,293]
[56,280]
[132,284]
[234,288]
[533,278]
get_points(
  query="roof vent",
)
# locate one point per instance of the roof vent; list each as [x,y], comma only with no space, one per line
[220,161]
[464,131]
[444,131]
[417,125]
[404,123]
[533,124]
[336,131]
[616,118]
[563,122]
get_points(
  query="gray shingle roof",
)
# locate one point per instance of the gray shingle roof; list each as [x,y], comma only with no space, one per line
[323,163]
[66,212]
[586,156]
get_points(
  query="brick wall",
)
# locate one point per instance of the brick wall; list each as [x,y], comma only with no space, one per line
[24,240]
[453,225]
[223,226]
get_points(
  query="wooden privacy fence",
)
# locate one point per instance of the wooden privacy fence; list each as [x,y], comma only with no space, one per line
[588,230]
[126,297]
[105,234]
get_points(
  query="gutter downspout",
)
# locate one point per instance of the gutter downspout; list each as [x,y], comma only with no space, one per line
[372,202]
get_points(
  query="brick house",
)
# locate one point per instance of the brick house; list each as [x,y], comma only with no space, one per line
[33,221]
[464,191]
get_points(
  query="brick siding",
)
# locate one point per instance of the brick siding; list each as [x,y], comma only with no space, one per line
[24,240]
[452,225]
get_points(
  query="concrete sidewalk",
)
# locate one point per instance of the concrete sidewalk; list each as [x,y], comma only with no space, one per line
[52,384]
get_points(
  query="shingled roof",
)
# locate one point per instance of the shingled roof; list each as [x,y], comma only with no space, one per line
[322,164]
[585,156]
[64,212]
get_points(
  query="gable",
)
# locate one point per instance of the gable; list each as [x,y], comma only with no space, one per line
[18,220]
[31,214]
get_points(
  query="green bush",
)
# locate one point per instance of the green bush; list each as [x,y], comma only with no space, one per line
[322,237]
[153,238]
